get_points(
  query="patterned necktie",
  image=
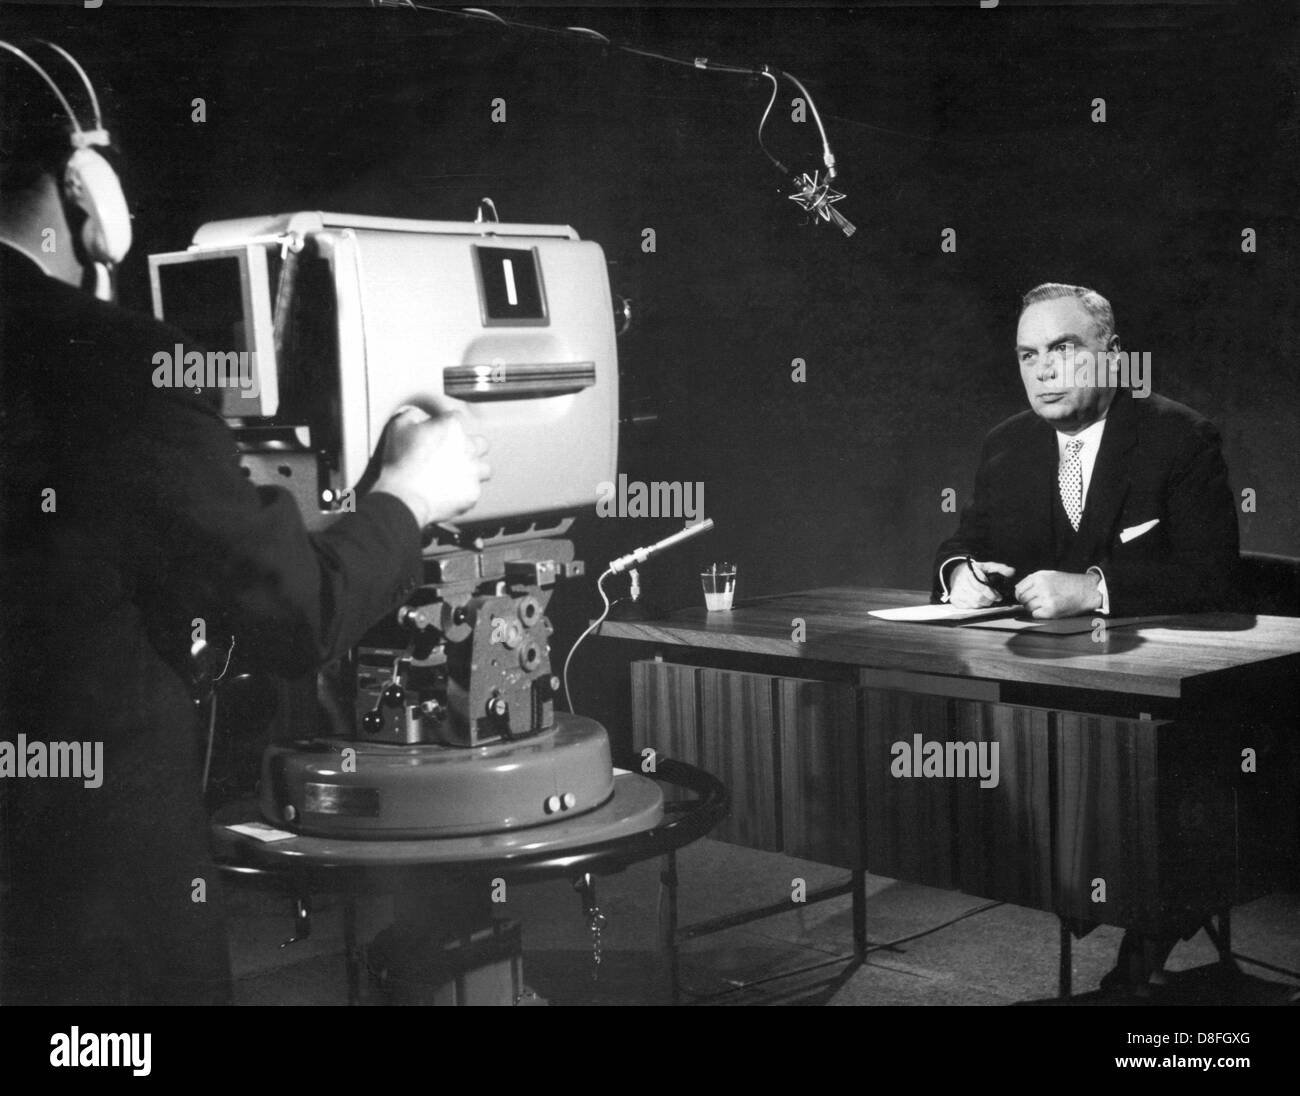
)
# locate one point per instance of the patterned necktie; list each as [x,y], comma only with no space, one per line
[1069,479]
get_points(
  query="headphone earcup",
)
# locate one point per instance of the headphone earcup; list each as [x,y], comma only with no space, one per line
[90,182]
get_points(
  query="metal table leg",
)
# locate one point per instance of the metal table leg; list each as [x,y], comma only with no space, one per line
[1065,973]
[351,950]
[860,914]
[668,923]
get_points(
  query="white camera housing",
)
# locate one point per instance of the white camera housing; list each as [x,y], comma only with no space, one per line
[344,319]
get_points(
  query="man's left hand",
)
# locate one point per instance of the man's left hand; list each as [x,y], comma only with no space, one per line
[1051,594]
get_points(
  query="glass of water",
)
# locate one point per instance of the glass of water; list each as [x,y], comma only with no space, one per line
[719,582]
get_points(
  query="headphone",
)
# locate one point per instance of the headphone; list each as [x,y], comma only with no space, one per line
[89,181]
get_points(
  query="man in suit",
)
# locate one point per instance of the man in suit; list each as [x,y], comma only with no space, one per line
[1100,499]
[124,517]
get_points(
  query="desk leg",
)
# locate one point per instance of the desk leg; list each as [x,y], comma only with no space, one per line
[668,922]
[1221,935]
[859,883]
[1225,936]
[351,951]
[1065,973]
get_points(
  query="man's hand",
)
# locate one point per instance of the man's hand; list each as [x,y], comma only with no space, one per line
[1051,594]
[966,591]
[432,465]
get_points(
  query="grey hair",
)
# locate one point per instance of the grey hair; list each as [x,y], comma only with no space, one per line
[1097,307]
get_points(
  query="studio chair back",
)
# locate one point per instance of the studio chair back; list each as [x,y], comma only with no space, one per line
[1271,583]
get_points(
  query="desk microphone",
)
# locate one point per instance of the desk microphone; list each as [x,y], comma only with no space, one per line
[634,609]
[640,555]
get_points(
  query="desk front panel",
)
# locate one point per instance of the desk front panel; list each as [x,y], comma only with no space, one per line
[1096,818]
[787,749]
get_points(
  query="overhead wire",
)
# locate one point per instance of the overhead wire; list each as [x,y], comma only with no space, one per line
[703,64]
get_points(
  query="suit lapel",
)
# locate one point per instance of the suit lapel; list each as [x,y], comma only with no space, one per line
[1110,477]
[1043,481]
[1030,495]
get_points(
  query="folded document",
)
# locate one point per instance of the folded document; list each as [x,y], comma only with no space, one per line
[944,614]
[1013,618]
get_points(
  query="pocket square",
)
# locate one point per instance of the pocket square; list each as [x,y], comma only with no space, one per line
[1135,531]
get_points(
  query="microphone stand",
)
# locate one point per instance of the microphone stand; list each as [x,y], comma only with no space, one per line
[634,607]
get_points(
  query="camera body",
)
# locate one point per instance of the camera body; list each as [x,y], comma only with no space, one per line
[315,329]
[335,322]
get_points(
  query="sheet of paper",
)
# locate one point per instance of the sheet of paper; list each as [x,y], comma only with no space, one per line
[939,614]
[261,831]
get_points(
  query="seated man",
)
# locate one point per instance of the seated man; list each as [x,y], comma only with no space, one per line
[1098,499]
[1101,498]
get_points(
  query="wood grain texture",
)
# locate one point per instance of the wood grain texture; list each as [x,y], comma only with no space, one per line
[1106,817]
[748,728]
[821,762]
[1003,833]
[1152,660]
[664,706]
[909,820]
[738,745]
[1159,810]
[1149,810]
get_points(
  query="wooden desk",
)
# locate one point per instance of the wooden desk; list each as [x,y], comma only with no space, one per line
[1147,775]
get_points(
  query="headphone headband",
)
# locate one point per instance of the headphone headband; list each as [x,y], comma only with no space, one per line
[90,88]
[79,138]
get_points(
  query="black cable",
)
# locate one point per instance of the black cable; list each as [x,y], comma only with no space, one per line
[600,587]
[886,946]
[763,122]
[703,64]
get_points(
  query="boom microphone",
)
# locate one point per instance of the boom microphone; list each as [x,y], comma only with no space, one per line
[640,555]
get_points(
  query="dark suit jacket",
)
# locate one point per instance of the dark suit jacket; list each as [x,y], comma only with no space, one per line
[152,526]
[1157,460]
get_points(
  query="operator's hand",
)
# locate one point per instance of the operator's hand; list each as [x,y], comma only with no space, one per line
[1051,594]
[432,465]
[966,591]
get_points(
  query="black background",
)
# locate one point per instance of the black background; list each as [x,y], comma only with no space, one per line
[941,117]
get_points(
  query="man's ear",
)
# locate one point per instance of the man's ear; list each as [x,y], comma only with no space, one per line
[1112,366]
[91,184]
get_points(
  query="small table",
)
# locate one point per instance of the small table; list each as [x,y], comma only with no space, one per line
[302,865]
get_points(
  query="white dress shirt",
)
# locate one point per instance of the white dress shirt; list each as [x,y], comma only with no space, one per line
[1091,438]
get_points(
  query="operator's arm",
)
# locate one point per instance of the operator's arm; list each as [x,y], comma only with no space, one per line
[293,599]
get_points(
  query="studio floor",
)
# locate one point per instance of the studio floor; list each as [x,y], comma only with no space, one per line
[927,946]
